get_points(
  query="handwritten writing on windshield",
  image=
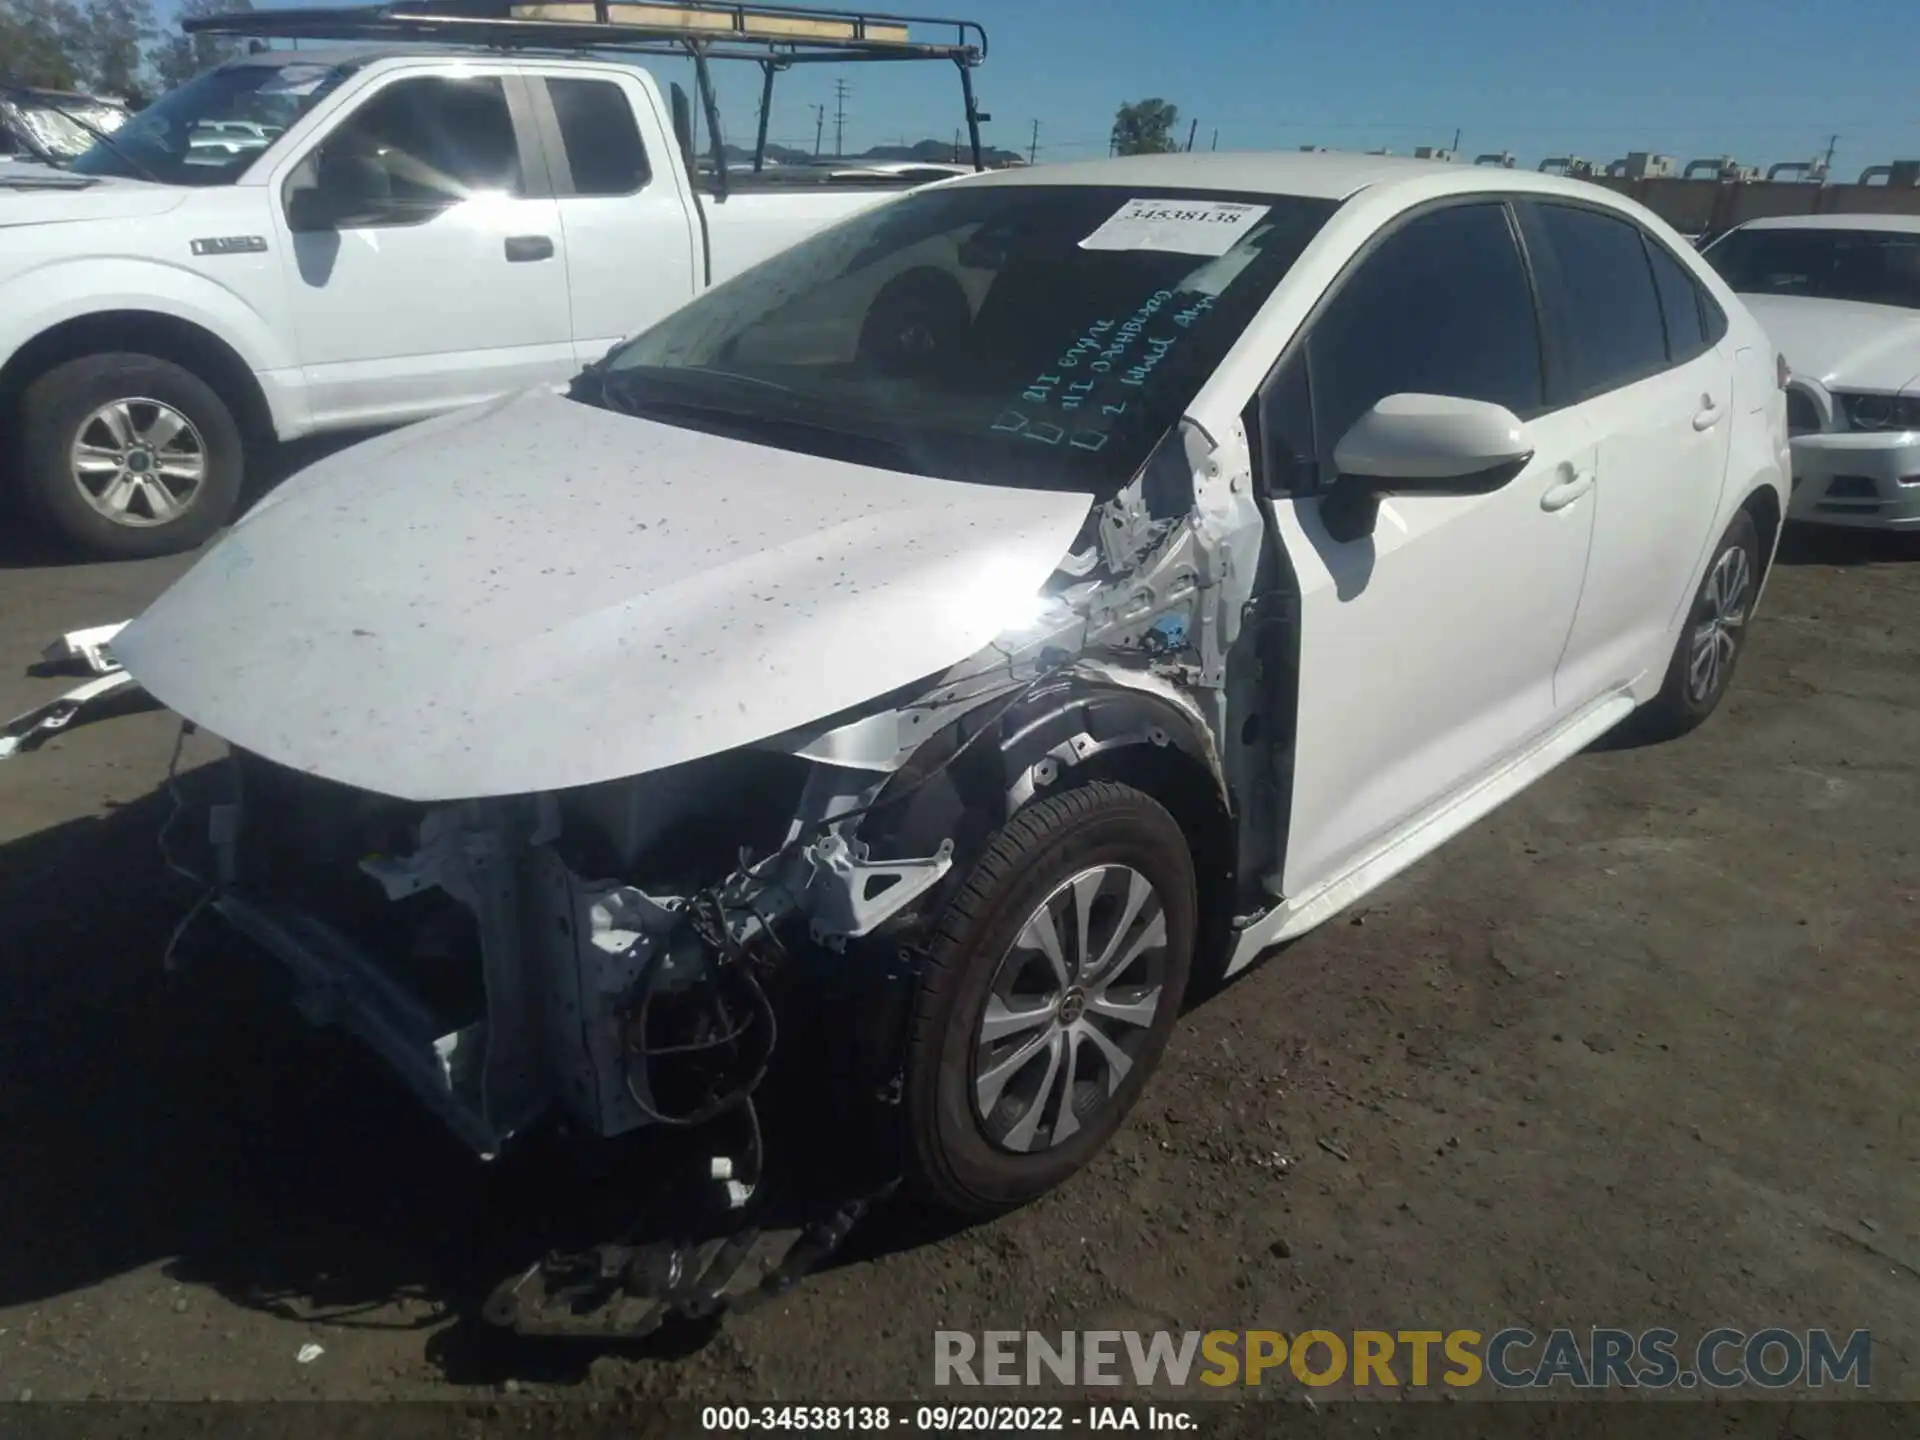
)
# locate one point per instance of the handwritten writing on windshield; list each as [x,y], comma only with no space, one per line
[1097,382]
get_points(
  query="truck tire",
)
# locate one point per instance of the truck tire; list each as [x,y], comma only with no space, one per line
[129,455]
[1008,1091]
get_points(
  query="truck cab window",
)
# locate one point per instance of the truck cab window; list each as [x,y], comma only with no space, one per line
[417,147]
[603,149]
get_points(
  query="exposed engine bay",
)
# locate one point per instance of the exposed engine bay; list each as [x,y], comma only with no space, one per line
[640,954]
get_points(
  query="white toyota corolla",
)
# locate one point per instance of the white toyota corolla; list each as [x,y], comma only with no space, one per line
[960,630]
[1840,294]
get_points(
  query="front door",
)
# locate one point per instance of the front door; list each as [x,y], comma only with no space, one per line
[428,265]
[1427,650]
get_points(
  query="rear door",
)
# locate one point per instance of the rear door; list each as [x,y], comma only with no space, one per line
[632,235]
[1628,336]
[1427,649]
[424,263]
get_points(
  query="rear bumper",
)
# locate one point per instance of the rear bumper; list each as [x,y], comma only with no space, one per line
[1862,480]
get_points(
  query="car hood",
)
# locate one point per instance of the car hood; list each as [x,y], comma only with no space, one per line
[1844,344]
[42,195]
[536,594]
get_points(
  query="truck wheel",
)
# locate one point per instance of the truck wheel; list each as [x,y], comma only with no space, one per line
[1053,982]
[129,455]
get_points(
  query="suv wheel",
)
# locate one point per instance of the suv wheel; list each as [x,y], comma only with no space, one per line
[1055,979]
[129,455]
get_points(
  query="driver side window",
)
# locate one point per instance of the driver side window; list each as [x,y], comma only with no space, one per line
[1442,306]
[415,148]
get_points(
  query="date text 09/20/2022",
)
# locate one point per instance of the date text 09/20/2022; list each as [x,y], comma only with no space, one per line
[944,1419]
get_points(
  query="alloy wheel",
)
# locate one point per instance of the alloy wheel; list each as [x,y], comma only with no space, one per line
[138,462]
[1070,1008]
[1718,624]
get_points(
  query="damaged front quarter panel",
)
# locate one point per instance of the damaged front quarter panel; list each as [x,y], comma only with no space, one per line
[626,932]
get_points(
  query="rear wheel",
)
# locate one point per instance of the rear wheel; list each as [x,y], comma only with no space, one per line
[1713,638]
[129,455]
[1054,982]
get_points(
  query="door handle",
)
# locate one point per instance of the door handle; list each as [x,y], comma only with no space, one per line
[521,248]
[1708,415]
[1569,487]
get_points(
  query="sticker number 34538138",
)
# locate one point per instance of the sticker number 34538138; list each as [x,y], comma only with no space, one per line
[1186,227]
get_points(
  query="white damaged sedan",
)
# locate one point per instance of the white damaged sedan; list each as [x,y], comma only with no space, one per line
[928,651]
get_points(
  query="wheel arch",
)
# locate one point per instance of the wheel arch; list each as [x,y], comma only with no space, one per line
[1129,727]
[182,342]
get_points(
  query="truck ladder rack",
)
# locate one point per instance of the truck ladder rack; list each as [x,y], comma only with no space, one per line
[774,36]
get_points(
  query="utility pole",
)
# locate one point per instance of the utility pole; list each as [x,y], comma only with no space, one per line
[956,144]
[1192,130]
[819,124]
[1832,141]
[839,118]
[1033,146]
[1216,139]
[1456,139]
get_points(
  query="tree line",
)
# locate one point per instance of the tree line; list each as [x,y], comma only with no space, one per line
[105,47]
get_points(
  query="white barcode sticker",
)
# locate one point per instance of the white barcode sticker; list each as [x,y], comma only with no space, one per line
[1185,227]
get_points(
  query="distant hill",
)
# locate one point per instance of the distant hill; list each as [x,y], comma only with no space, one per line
[933,151]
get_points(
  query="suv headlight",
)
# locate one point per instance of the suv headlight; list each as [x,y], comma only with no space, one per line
[1882,412]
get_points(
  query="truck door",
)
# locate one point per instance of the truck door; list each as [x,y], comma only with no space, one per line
[631,232]
[424,245]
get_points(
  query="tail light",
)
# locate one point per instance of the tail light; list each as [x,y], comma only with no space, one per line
[1782,372]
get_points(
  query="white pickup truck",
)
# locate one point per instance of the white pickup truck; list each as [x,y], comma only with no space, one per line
[310,240]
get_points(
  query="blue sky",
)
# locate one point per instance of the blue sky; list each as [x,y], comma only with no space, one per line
[1763,80]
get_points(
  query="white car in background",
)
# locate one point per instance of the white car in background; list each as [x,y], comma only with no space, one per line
[1840,294]
[1201,540]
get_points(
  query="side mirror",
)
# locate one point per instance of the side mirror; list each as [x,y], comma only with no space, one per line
[308,210]
[1421,445]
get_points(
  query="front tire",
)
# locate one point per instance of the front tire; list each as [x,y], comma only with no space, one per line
[1713,638]
[1054,981]
[129,455]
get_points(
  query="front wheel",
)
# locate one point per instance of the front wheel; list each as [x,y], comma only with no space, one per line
[1054,981]
[129,455]
[1713,638]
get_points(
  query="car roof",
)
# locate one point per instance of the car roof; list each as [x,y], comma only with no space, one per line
[1909,224]
[1320,174]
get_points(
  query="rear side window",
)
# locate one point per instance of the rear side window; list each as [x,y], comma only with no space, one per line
[1596,288]
[1713,320]
[602,143]
[1441,307]
[1679,304]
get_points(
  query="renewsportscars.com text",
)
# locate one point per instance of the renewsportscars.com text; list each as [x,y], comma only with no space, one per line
[1509,1359]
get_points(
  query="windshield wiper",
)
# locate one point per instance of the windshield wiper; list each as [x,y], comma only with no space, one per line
[104,138]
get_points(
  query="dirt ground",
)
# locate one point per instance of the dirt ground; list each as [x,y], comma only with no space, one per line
[1638,1050]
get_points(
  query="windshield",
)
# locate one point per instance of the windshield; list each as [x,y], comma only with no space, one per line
[1019,334]
[45,131]
[1880,267]
[213,127]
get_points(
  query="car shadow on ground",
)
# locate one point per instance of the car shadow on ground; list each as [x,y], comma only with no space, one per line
[192,1119]
[1802,544]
